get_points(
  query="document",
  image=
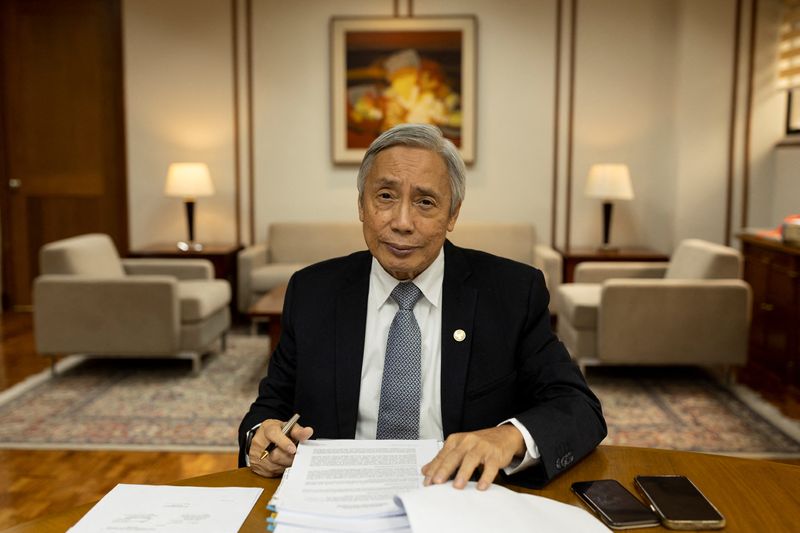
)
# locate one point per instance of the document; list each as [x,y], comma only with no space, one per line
[439,508]
[161,508]
[353,478]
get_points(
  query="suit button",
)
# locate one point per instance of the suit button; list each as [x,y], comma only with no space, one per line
[459,335]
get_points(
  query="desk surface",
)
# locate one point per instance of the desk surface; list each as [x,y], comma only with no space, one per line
[753,495]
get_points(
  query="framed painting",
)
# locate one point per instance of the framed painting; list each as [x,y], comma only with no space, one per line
[389,71]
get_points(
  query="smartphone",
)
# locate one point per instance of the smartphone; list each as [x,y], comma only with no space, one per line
[679,503]
[614,504]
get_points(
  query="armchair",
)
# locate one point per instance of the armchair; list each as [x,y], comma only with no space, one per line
[87,300]
[693,310]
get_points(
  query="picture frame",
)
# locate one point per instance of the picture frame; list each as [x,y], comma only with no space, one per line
[793,112]
[387,71]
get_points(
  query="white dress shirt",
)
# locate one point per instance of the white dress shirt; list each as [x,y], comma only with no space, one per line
[381,309]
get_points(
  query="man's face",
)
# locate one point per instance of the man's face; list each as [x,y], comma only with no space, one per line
[405,209]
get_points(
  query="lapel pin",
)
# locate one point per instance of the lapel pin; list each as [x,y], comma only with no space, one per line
[459,335]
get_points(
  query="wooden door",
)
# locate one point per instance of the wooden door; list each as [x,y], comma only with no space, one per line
[62,149]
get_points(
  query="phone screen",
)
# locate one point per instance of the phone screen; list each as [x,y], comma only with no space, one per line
[615,504]
[677,499]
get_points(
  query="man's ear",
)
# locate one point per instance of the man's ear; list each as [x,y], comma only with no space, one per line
[451,224]
[360,209]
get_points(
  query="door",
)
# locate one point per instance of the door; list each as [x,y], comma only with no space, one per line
[62,151]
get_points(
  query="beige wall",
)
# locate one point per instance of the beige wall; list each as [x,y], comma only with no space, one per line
[653,84]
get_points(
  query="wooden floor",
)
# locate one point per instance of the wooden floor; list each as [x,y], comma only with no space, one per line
[34,483]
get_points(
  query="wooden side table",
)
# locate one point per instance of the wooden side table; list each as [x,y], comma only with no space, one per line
[222,256]
[579,254]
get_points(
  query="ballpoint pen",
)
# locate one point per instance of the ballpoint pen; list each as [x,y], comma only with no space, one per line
[287,427]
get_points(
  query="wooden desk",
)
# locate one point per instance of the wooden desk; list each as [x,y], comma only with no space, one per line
[579,254]
[753,495]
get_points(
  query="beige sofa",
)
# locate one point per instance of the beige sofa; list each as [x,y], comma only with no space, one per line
[89,301]
[693,310]
[291,246]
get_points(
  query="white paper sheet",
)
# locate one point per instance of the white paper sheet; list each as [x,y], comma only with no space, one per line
[355,478]
[161,508]
[438,508]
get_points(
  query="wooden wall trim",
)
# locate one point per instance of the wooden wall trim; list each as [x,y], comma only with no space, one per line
[237,149]
[732,124]
[748,116]
[250,126]
[556,109]
[570,120]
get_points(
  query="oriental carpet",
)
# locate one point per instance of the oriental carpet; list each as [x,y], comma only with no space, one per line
[149,404]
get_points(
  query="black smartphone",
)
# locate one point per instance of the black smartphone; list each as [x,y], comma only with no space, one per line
[614,504]
[679,503]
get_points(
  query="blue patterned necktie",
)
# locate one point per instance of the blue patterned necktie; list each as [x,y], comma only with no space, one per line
[398,414]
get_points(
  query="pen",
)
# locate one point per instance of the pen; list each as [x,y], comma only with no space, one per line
[287,427]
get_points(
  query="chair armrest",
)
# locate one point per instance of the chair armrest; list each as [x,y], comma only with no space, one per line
[598,272]
[699,322]
[183,269]
[133,315]
[248,259]
[550,262]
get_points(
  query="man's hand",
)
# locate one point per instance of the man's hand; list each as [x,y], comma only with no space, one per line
[489,449]
[282,455]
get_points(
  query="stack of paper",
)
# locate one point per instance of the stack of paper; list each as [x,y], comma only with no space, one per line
[349,485]
[359,486]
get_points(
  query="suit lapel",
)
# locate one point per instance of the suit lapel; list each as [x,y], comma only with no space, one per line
[351,318]
[458,312]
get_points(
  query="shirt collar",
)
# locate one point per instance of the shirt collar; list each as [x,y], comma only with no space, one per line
[429,281]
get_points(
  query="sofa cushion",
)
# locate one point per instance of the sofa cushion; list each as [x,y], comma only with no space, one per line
[697,259]
[92,255]
[578,304]
[512,241]
[267,277]
[199,299]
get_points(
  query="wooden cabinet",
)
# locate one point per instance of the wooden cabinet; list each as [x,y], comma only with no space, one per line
[773,364]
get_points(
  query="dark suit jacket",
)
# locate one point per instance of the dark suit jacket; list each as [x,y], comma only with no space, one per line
[510,364]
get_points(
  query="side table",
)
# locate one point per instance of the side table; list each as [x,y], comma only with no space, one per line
[222,256]
[579,254]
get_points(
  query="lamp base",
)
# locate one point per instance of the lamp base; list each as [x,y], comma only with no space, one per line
[189,246]
[607,248]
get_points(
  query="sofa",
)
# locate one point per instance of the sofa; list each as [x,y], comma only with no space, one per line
[693,310]
[88,300]
[291,246]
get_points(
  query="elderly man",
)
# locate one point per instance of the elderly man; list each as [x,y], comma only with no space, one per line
[418,338]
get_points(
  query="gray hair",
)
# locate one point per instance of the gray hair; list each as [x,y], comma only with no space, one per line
[419,136]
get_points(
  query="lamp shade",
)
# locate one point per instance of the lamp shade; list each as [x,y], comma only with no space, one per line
[609,182]
[188,180]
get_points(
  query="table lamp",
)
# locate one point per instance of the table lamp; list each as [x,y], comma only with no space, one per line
[189,181]
[608,182]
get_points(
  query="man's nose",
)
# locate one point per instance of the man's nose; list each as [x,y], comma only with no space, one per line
[402,218]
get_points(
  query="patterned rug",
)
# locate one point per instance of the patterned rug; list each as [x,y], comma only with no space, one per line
[684,409]
[141,404]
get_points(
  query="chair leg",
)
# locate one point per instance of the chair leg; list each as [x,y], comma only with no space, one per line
[196,363]
[224,341]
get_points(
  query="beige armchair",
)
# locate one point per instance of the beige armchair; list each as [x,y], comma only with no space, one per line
[693,310]
[89,301]
[291,246]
